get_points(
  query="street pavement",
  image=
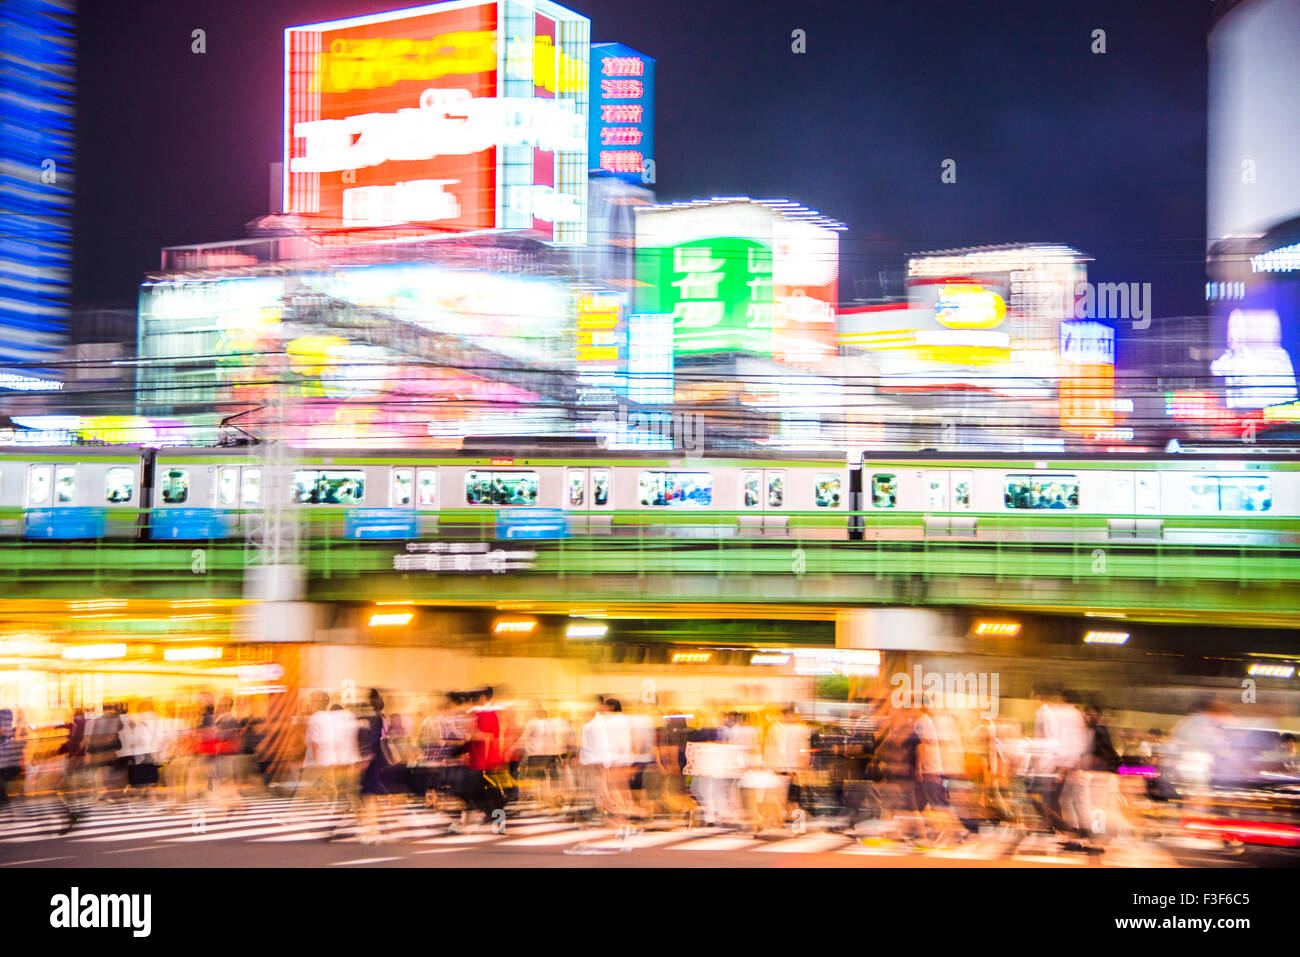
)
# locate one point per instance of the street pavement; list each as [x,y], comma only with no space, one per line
[273,831]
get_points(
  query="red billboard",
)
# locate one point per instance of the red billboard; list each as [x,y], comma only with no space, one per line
[379,128]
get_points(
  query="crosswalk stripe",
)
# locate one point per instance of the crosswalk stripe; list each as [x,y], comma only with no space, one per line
[720,843]
[806,844]
[564,837]
[363,860]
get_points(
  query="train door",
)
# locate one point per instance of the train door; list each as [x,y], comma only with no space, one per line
[948,492]
[426,501]
[577,498]
[600,512]
[1146,501]
[776,521]
[750,518]
[1134,501]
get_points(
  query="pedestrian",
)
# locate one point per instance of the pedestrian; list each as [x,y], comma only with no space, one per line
[485,759]
[318,776]
[73,779]
[12,746]
[378,755]
[141,743]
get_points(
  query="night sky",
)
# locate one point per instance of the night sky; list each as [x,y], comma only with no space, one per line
[1052,142]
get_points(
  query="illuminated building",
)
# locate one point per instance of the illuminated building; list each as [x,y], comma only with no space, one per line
[457,116]
[1253,208]
[398,344]
[750,288]
[36,93]
[622,138]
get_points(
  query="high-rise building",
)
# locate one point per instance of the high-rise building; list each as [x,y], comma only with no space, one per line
[36,146]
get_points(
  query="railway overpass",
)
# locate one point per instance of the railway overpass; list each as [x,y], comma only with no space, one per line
[1238,585]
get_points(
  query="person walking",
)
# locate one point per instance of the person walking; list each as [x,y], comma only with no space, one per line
[379,757]
[12,746]
[73,779]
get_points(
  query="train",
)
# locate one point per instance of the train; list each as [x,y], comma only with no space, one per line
[190,494]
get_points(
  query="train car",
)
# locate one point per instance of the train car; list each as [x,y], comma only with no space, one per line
[73,493]
[533,492]
[1170,498]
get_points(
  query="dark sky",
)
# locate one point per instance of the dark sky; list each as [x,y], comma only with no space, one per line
[1052,142]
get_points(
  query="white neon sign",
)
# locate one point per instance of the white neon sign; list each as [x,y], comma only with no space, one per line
[447,123]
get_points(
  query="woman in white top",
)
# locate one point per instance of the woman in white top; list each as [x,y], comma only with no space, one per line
[141,738]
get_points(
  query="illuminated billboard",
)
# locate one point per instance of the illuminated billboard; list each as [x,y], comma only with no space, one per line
[1087,376]
[458,116]
[622,138]
[1257,369]
[757,277]
[987,318]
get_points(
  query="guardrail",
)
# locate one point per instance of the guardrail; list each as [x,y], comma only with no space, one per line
[1241,565]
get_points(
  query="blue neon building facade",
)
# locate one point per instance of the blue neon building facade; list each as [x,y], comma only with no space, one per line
[37,55]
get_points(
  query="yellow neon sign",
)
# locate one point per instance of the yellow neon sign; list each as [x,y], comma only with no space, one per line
[968,306]
[375,63]
[371,64]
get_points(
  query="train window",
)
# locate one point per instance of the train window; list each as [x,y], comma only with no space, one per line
[252,487]
[827,486]
[119,485]
[676,489]
[1148,493]
[1231,493]
[403,479]
[1042,491]
[600,487]
[176,486]
[937,491]
[38,486]
[65,485]
[501,488]
[775,489]
[752,483]
[329,486]
[426,491]
[962,483]
[577,489]
[884,490]
[227,485]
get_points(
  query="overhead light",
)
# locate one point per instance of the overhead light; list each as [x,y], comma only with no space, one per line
[381,621]
[191,654]
[514,627]
[92,652]
[586,631]
[1271,671]
[97,604]
[1000,629]
[691,657]
[1106,637]
[768,658]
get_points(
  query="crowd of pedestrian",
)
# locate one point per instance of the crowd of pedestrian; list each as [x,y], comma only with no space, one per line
[899,771]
